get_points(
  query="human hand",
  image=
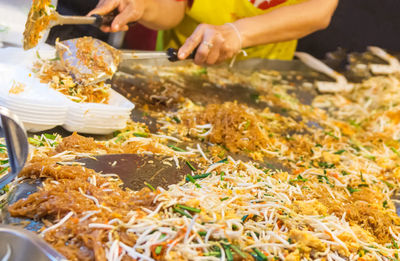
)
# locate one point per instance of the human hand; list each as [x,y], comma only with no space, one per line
[216,43]
[129,11]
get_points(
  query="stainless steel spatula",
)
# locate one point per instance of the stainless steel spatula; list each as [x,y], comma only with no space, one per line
[90,60]
[43,16]
[17,144]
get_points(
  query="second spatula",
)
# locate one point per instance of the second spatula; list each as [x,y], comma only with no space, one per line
[90,60]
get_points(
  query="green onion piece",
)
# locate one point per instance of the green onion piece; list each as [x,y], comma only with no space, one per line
[225,198]
[260,254]
[50,136]
[176,119]
[223,161]
[395,151]
[352,190]
[238,251]
[150,186]
[345,173]
[191,179]
[158,250]
[247,125]
[388,184]
[202,176]
[3,146]
[183,213]
[176,148]
[228,253]
[214,253]
[202,233]
[196,210]
[190,165]
[200,71]
[222,175]
[141,134]
[244,218]
[35,142]
[2,162]
[4,170]
[339,152]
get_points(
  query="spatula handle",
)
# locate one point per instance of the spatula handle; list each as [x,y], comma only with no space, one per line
[173,54]
[107,19]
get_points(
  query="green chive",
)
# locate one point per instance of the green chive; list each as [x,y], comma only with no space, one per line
[228,253]
[238,251]
[158,250]
[191,179]
[388,184]
[141,134]
[223,161]
[183,213]
[50,136]
[222,175]
[2,162]
[190,165]
[352,190]
[4,170]
[339,152]
[150,186]
[244,218]
[214,253]
[196,210]
[176,119]
[225,198]
[260,254]
[35,142]
[395,151]
[202,233]
[202,176]
[247,125]
[176,148]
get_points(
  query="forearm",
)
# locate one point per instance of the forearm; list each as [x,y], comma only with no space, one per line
[286,23]
[163,14]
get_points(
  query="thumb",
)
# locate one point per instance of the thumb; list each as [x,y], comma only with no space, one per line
[104,7]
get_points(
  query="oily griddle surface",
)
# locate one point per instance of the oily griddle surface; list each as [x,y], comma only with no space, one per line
[136,170]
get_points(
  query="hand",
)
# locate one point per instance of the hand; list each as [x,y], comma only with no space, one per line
[216,44]
[129,11]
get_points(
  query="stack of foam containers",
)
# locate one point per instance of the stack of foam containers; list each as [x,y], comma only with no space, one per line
[41,108]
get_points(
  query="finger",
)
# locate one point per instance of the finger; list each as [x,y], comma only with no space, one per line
[206,46]
[104,7]
[128,14]
[105,29]
[215,51]
[191,43]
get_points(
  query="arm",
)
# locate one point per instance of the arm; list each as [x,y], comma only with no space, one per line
[287,23]
[217,43]
[154,14]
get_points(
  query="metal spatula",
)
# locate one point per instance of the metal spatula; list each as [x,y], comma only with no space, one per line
[90,60]
[42,18]
[17,144]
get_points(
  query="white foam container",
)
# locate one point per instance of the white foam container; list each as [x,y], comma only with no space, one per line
[41,108]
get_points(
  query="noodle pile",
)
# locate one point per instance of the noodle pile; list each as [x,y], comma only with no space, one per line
[333,203]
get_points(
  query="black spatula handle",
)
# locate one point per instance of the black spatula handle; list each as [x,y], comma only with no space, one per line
[173,54]
[107,19]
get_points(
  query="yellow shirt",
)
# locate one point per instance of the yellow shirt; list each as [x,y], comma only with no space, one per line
[218,12]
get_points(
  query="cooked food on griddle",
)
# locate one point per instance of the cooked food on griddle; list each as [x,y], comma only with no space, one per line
[39,18]
[332,202]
